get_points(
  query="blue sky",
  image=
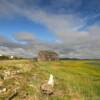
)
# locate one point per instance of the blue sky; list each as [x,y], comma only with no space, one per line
[21,24]
[69,27]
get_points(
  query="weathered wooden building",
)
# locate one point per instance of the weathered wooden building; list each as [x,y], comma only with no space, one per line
[47,56]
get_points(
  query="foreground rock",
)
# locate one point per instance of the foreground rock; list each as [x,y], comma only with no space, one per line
[47,87]
[2,90]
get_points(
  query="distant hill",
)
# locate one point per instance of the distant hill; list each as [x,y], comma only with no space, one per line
[3,57]
[7,57]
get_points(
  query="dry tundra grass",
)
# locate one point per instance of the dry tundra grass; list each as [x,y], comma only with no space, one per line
[74,80]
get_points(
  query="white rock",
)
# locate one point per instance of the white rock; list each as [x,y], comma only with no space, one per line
[51,80]
[3,90]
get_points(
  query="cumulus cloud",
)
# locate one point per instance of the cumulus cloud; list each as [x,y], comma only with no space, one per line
[24,36]
[29,48]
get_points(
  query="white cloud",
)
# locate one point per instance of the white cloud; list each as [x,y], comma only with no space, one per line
[65,26]
[24,36]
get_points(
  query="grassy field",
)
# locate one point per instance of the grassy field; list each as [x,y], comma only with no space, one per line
[74,79]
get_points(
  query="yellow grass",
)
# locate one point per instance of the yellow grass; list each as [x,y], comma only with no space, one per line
[74,79]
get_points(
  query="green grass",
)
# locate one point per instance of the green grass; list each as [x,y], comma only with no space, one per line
[74,79]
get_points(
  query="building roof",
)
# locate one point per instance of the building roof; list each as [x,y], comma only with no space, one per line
[48,52]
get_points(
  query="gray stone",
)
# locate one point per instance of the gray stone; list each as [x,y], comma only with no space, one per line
[46,89]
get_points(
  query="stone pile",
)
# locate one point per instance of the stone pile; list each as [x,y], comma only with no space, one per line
[10,74]
[48,86]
